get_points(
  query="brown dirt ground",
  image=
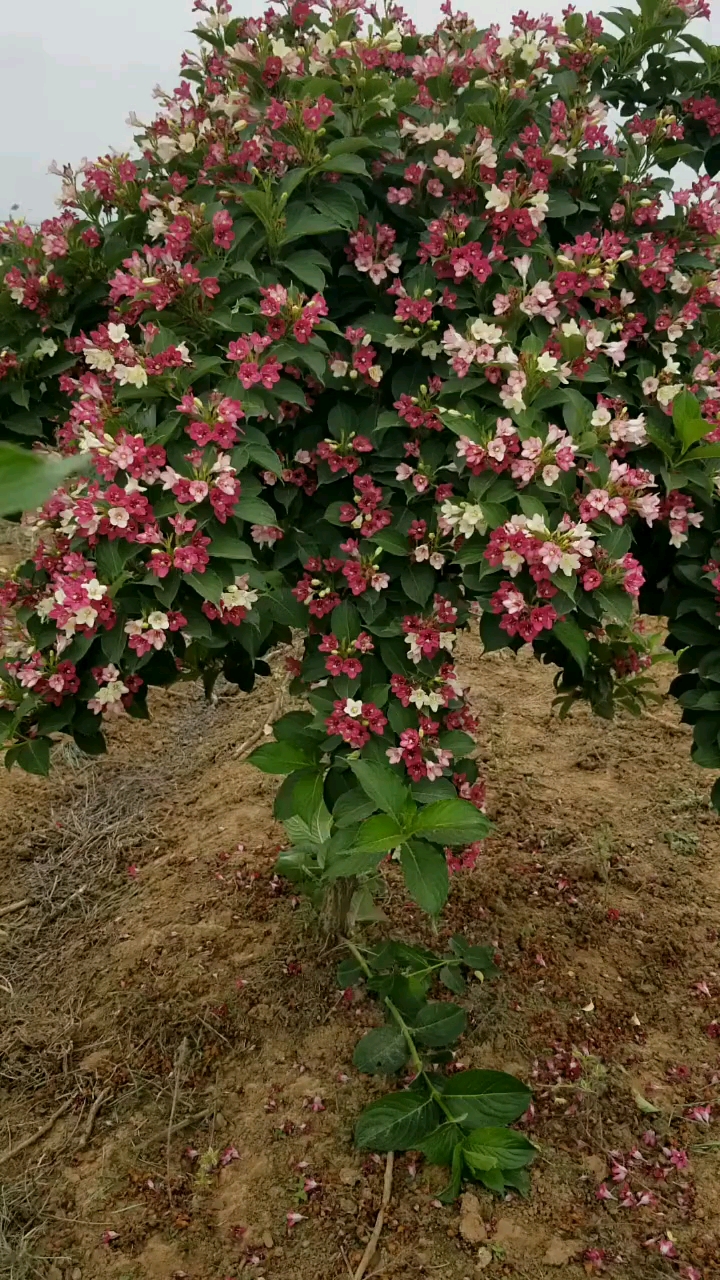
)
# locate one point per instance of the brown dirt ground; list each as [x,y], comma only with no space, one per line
[151,875]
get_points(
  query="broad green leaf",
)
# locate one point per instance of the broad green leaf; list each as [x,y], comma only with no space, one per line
[417,581]
[34,756]
[349,163]
[452,822]
[439,1146]
[689,422]
[285,608]
[345,621]
[426,875]
[561,205]
[386,788]
[255,511]
[27,479]
[352,807]
[209,584]
[308,266]
[478,1098]
[378,835]
[382,1051]
[496,1147]
[439,1024]
[280,757]
[574,640]
[353,862]
[397,1122]
[301,220]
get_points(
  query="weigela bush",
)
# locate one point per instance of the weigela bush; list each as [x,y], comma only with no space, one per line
[381,332]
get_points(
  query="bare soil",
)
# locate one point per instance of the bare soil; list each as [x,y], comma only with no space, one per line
[161,968]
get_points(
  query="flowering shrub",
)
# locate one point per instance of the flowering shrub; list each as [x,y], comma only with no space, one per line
[380,333]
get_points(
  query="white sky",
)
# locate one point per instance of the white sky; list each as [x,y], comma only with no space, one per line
[72,70]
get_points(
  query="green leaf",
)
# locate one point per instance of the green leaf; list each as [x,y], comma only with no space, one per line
[571,635]
[438,1024]
[383,786]
[27,479]
[34,756]
[616,603]
[496,1147]
[378,835]
[345,621]
[561,205]
[688,421]
[426,875]
[349,163]
[452,822]
[280,757]
[209,584]
[478,1098]
[352,807]
[382,1051]
[417,581]
[397,1122]
[255,511]
[439,1146]
[286,609]
[338,206]
[301,220]
[308,267]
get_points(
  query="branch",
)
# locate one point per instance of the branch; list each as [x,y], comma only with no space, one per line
[39,1133]
[372,1242]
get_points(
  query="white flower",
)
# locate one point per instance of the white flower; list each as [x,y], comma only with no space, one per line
[119,517]
[186,142]
[465,518]
[497,199]
[666,395]
[157,224]
[522,265]
[117,332]
[133,375]
[98,359]
[95,590]
[484,332]
[680,283]
[237,596]
[85,617]
[45,348]
[547,363]
[158,621]
[353,707]
[110,693]
[166,148]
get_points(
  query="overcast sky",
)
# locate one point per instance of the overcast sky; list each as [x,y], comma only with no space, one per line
[72,70]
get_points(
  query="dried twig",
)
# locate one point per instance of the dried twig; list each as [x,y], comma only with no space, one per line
[16,906]
[372,1242]
[59,910]
[246,747]
[179,1063]
[38,1134]
[102,1097]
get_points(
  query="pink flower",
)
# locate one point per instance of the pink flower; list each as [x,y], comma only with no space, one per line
[702,1115]
[293,1219]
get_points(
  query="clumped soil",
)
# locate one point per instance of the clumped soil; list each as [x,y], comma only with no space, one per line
[161,980]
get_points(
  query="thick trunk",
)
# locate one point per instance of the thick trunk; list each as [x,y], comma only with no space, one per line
[335,911]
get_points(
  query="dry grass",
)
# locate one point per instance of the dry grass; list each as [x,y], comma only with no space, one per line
[22,1223]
